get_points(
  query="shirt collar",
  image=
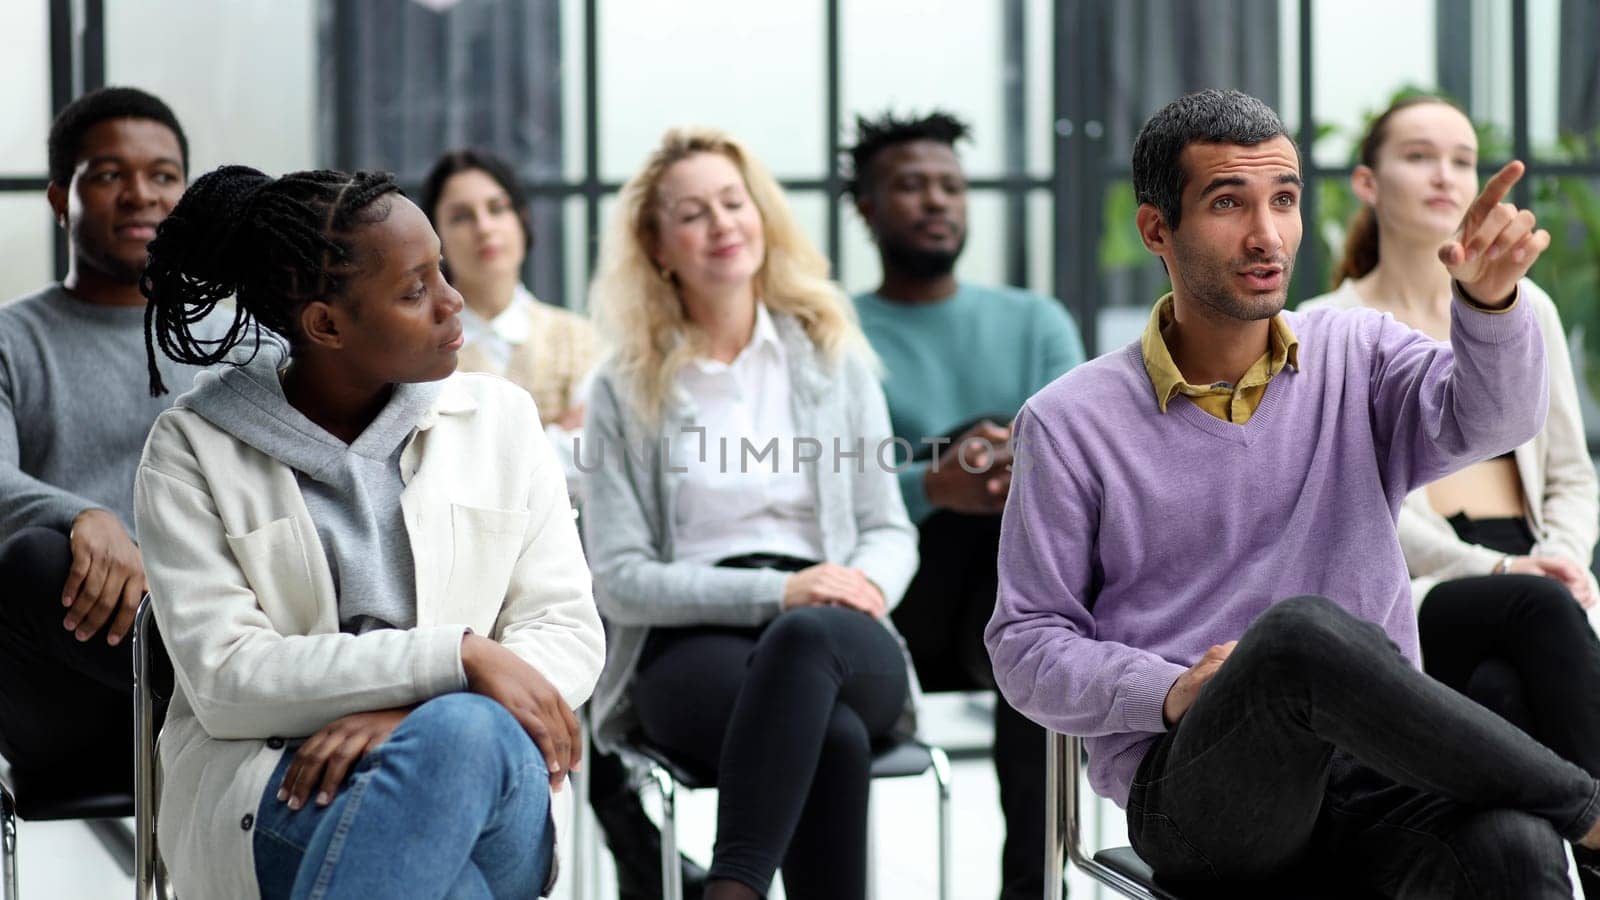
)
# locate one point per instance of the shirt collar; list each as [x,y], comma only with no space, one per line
[1166,379]
[763,339]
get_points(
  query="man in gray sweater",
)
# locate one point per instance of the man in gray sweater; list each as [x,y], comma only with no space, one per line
[74,413]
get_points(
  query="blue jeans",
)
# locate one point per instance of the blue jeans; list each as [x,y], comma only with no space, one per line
[455,804]
[1318,753]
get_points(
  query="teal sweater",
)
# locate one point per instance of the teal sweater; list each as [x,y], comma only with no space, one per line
[981,352]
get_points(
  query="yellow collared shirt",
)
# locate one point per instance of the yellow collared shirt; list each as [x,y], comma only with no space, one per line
[1234,403]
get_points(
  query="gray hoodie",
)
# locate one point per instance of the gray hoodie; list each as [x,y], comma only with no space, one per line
[351,490]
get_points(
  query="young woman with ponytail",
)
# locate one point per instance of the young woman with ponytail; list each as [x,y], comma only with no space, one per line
[1499,552]
[366,574]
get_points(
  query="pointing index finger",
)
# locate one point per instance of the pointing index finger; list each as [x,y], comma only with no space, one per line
[1495,191]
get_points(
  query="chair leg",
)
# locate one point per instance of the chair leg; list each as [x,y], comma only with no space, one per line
[1054,833]
[872,851]
[671,874]
[941,778]
[8,834]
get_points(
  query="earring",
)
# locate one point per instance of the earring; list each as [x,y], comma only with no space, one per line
[665,273]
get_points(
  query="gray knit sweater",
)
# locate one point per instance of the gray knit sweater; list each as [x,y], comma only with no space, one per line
[75,407]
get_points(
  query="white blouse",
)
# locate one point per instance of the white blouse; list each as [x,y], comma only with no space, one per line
[742,489]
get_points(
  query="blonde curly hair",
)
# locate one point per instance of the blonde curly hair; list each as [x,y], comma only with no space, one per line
[641,314]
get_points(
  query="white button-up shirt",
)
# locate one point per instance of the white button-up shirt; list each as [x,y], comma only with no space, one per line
[742,492]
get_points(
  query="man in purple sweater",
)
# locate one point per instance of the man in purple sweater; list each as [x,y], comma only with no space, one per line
[1198,564]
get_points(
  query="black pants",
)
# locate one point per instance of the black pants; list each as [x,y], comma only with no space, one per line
[1521,646]
[785,716]
[1318,751]
[942,618]
[64,704]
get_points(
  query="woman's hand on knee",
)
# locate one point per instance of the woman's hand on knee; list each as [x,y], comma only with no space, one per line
[1569,573]
[827,584]
[502,676]
[324,761]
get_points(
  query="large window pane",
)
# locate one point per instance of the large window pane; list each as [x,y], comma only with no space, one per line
[26,231]
[753,69]
[241,77]
[573,90]
[1358,67]
[1564,80]
[1039,82]
[917,54]
[24,86]
[1569,270]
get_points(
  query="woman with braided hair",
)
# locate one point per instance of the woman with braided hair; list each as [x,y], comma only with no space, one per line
[367,576]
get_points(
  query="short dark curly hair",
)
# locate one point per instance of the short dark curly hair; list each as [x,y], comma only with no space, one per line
[1203,117]
[873,136]
[67,131]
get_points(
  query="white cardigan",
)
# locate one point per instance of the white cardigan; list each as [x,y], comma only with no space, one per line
[246,605]
[1562,499]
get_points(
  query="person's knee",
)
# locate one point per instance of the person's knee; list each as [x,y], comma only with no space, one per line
[38,554]
[1309,634]
[473,732]
[1545,604]
[800,634]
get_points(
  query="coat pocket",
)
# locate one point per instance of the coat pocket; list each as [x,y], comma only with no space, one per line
[486,544]
[273,559]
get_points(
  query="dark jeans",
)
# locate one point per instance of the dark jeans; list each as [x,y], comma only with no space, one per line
[785,716]
[1317,749]
[63,704]
[942,618]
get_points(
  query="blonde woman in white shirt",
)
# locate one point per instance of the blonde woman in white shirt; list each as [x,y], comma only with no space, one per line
[366,574]
[1499,552]
[745,561]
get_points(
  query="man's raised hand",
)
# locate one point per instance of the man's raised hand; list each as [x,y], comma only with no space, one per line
[1496,244]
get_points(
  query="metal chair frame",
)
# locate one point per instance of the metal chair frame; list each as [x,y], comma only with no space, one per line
[149,878]
[1063,827]
[667,787]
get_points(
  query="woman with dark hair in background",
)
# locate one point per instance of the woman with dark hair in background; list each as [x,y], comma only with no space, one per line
[481,213]
[366,574]
[1499,552]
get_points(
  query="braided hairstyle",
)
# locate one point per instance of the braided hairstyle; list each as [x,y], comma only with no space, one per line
[273,244]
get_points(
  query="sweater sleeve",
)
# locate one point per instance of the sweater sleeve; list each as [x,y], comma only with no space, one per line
[634,585]
[1436,409]
[1048,662]
[25,500]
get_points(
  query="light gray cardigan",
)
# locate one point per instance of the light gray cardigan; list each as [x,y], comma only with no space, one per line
[628,517]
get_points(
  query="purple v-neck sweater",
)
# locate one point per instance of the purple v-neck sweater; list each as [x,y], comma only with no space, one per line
[1133,541]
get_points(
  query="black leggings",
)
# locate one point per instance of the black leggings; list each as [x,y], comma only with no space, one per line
[64,704]
[786,716]
[1521,646]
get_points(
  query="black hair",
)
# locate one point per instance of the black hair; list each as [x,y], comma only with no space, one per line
[454,162]
[68,129]
[873,136]
[1203,117]
[273,244]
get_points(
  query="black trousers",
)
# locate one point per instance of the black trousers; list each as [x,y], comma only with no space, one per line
[1521,646]
[64,705]
[942,618]
[1318,753]
[786,716]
